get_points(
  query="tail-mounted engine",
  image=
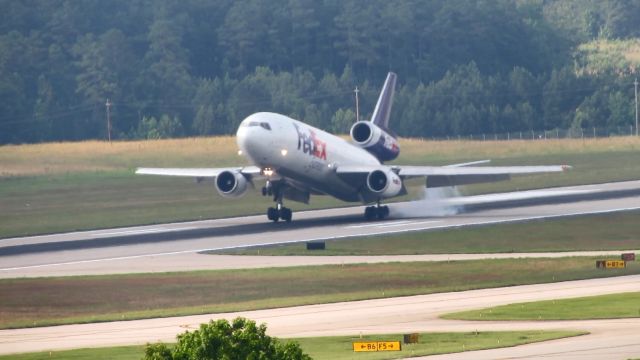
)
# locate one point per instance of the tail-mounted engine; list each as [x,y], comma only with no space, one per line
[231,184]
[375,140]
[384,183]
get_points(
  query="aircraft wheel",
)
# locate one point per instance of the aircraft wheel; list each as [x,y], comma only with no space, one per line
[369,213]
[383,212]
[272,214]
[264,191]
[286,214]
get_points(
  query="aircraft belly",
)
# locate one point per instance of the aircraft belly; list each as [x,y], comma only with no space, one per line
[326,182]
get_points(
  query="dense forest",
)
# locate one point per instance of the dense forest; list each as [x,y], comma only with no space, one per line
[198,67]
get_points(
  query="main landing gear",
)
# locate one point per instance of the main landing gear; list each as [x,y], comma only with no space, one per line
[376,212]
[279,212]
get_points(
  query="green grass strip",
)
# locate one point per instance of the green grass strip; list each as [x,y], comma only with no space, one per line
[614,306]
[84,299]
[115,353]
[338,348]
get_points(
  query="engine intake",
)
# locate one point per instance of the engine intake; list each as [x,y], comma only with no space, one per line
[385,183]
[231,184]
[375,140]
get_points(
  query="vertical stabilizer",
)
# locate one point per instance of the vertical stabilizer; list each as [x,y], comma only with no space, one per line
[383,107]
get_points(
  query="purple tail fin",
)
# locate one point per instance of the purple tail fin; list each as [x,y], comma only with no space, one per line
[383,107]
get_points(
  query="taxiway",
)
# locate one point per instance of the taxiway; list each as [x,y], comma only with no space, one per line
[611,339]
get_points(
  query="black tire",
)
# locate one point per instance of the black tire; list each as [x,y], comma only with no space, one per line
[272,214]
[369,213]
[385,211]
[382,212]
[264,191]
[286,214]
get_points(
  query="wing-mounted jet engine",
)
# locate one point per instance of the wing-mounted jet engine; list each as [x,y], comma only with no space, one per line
[384,183]
[231,184]
[381,184]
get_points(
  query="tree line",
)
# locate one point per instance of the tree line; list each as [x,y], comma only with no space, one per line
[197,67]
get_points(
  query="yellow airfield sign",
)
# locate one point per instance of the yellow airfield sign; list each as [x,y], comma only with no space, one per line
[615,264]
[366,346]
[611,264]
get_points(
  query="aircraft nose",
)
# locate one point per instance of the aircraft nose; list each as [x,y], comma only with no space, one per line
[243,137]
[253,139]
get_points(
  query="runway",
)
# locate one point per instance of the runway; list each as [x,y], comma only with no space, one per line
[610,339]
[177,246]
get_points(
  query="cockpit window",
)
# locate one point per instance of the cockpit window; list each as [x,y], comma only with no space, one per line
[264,125]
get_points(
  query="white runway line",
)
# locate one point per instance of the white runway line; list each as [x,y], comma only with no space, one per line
[378,224]
[135,232]
[411,223]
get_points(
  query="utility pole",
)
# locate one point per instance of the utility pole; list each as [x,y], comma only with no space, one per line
[635,85]
[108,104]
[358,105]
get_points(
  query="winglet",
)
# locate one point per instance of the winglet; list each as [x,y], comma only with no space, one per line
[383,107]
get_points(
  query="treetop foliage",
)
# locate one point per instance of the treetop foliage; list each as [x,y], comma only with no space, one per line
[241,339]
[198,67]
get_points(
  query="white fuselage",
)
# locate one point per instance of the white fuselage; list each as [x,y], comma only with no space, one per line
[304,155]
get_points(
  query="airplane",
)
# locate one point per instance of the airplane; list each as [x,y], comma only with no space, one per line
[297,160]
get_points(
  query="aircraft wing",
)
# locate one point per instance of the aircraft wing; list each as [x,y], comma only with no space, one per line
[407,171]
[453,175]
[251,171]
[511,196]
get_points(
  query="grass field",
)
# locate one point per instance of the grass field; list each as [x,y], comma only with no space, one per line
[338,348]
[617,231]
[92,298]
[60,187]
[100,156]
[109,353]
[615,306]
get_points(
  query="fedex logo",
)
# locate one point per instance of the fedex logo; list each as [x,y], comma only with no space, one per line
[390,143]
[308,143]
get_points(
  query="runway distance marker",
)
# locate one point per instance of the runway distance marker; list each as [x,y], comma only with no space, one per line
[370,346]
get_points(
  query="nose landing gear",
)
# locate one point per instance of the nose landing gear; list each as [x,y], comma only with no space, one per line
[279,212]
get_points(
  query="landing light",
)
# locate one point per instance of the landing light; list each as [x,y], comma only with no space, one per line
[240,152]
[284,152]
[267,171]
